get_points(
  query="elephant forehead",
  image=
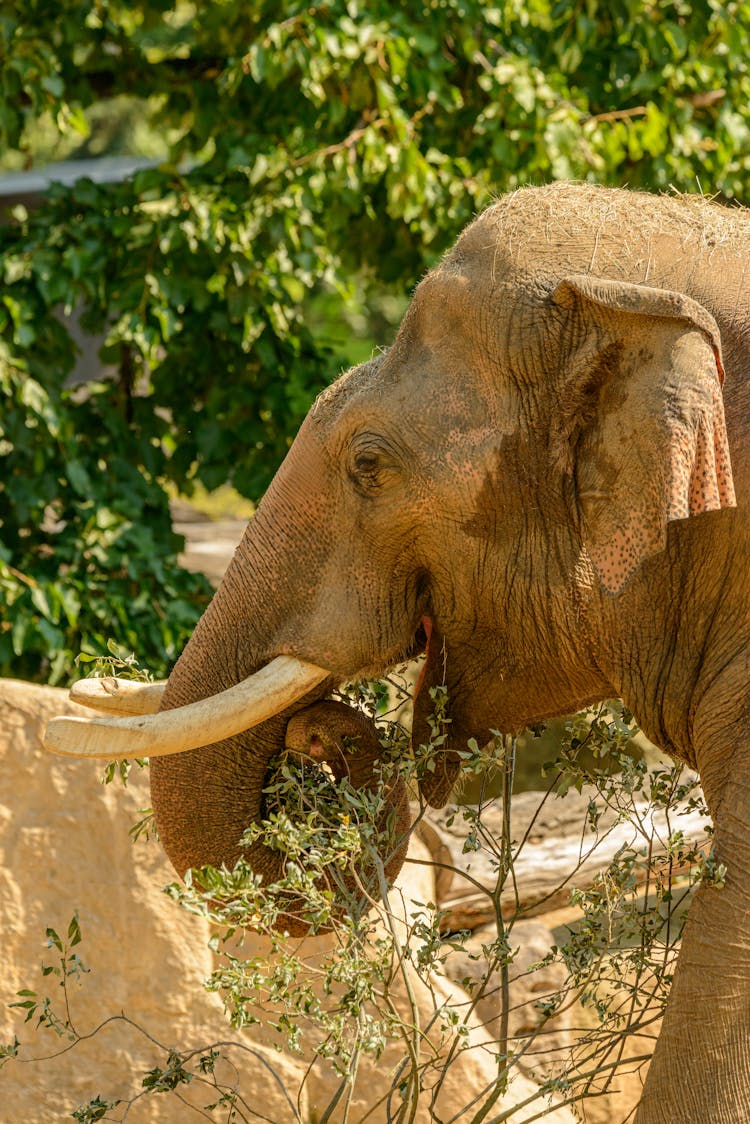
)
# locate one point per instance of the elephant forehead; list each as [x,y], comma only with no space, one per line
[562,228]
[409,387]
[491,251]
[445,307]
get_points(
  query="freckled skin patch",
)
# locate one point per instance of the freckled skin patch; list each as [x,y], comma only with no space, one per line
[660,452]
[700,480]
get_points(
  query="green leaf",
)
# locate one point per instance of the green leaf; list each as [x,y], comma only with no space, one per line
[74,931]
[79,478]
[53,940]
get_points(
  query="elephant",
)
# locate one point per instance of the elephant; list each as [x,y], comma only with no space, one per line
[543,484]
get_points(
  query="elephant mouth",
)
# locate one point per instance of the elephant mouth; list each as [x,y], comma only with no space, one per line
[421,641]
[436,741]
[422,644]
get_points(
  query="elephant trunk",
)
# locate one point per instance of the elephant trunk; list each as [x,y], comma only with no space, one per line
[273,607]
[206,798]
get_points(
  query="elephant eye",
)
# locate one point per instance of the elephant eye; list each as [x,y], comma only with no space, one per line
[366,464]
[370,469]
[366,471]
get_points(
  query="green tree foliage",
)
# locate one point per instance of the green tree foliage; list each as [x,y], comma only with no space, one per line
[86,545]
[303,145]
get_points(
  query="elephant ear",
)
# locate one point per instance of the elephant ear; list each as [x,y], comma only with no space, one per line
[643,417]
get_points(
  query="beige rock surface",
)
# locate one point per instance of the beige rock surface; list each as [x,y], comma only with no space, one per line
[64,846]
[548,1044]
[544,1042]
[447,1091]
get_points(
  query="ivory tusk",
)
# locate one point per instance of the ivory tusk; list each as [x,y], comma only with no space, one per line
[118,696]
[257,698]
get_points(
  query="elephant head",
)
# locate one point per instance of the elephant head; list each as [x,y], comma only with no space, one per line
[475,492]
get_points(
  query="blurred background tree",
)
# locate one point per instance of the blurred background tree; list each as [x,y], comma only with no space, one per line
[310,162]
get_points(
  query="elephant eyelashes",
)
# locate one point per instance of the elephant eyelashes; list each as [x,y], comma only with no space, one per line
[369,471]
[366,464]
